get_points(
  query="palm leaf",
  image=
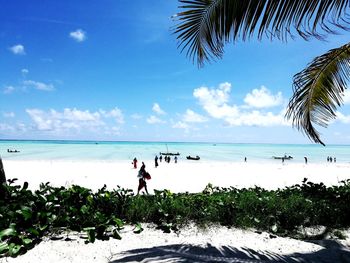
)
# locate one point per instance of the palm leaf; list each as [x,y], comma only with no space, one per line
[318,91]
[206,25]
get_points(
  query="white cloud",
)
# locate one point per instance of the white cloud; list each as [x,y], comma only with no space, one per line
[78,35]
[156,108]
[191,116]
[4,127]
[136,116]
[257,118]
[181,125]
[8,114]
[262,98]
[24,71]
[215,103]
[17,49]
[114,131]
[343,118]
[218,96]
[38,85]
[154,120]
[346,97]
[115,113]
[9,89]
[75,119]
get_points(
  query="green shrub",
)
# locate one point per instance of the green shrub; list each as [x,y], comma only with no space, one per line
[26,216]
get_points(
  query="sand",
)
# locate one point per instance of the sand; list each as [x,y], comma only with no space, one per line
[215,244]
[190,176]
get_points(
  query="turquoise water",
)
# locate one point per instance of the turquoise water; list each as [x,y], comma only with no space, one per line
[114,151]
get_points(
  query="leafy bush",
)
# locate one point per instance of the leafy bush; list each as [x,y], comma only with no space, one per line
[27,216]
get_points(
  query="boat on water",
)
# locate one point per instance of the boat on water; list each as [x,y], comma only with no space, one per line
[193,158]
[285,157]
[161,153]
[12,151]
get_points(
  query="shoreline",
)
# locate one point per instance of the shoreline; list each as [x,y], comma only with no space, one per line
[180,177]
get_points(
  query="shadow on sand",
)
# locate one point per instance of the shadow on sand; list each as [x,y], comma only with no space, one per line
[332,253]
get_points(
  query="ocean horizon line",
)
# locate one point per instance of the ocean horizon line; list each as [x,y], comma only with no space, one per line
[180,142]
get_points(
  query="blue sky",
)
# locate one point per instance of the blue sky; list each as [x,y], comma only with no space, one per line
[111,70]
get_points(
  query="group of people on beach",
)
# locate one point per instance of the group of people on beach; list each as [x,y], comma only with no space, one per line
[167,159]
[331,159]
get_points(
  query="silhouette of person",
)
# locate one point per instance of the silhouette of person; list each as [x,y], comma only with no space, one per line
[134,162]
[143,175]
[156,161]
[175,158]
[305,158]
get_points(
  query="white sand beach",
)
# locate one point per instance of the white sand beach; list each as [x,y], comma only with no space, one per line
[190,176]
[215,244]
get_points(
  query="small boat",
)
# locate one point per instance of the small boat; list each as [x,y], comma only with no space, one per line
[193,158]
[285,157]
[12,151]
[169,153]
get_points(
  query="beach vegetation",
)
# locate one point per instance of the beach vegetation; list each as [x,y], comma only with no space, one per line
[29,216]
[205,26]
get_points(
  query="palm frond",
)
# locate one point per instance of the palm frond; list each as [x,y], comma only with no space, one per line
[206,25]
[318,91]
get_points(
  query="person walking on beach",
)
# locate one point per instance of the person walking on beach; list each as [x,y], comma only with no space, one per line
[156,161]
[175,159]
[143,175]
[160,158]
[134,162]
[142,169]
[245,159]
[305,158]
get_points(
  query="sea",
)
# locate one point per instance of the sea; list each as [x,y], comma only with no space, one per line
[124,150]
